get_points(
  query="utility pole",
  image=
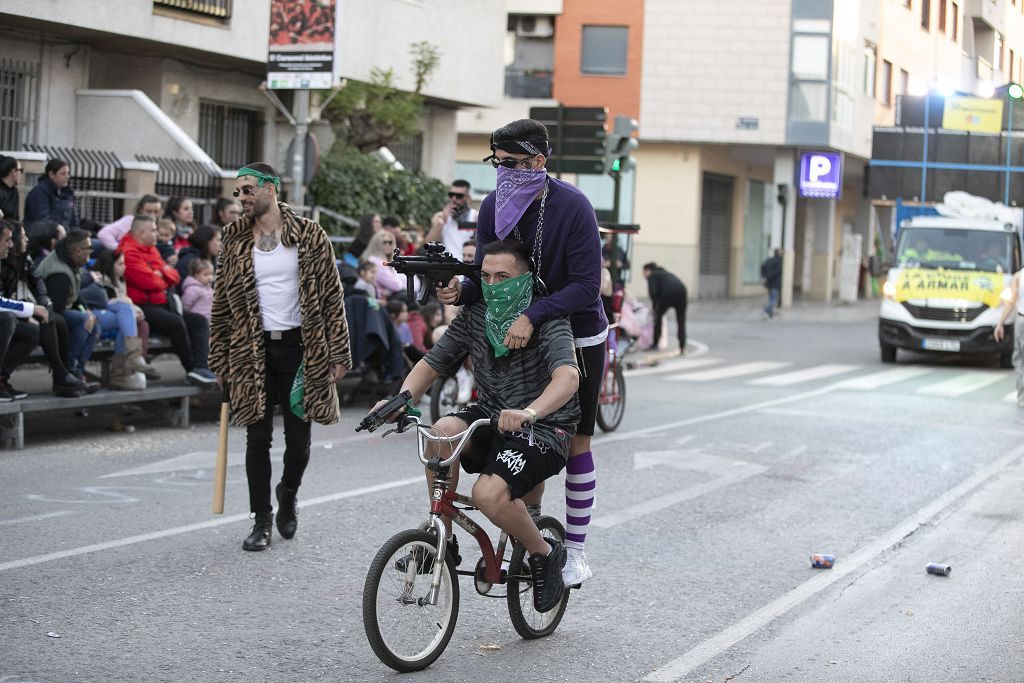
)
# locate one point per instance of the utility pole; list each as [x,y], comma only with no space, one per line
[298,171]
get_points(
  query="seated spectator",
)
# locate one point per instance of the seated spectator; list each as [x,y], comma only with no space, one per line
[110,269]
[18,281]
[165,239]
[369,225]
[204,243]
[433,316]
[399,314]
[197,289]
[149,278]
[11,174]
[394,226]
[111,234]
[367,282]
[62,273]
[179,210]
[18,336]
[417,326]
[41,239]
[380,249]
[52,200]
[226,211]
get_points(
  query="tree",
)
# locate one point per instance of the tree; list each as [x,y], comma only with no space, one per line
[374,114]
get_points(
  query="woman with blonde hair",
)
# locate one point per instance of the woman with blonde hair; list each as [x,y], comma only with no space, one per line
[381,248]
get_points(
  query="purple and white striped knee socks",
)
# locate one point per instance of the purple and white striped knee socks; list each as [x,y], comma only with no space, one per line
[580,482]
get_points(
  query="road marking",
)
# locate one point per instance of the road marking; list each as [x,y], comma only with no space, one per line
[724,640]
[199,526]
[1011,397]
[731,371]
[806,375]
[877,380]
[963,383]
[34,518]
[673,366]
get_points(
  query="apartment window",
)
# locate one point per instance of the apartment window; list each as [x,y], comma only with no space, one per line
[942,16]
[19,85]
[955,12]
[220,9]
[604,50]
[233,136]
[886,82]
[870,57]
[926,14]
[904,82]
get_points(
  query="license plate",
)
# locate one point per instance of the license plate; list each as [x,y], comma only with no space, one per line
[941,344]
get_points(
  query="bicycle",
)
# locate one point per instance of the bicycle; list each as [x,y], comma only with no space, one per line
[611,405]
[409,614]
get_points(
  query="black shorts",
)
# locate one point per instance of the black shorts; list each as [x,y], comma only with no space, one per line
[510,456]
[591,374]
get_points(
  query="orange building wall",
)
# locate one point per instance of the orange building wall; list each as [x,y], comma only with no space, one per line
[621,94]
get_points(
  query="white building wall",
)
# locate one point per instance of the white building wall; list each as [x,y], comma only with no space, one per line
[705,64]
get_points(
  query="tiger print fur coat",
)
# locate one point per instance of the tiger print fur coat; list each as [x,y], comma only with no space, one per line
[237,352]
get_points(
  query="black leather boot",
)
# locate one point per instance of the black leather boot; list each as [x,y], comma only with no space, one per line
[287,514]
[259,539]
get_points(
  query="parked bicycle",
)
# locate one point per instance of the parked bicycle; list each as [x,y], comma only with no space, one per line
[411,594]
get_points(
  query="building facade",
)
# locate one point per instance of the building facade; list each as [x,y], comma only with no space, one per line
[145,81]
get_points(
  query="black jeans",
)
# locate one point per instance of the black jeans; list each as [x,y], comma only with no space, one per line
[189,334]
[17,339]
[659,312]
[283,359]
[53,337]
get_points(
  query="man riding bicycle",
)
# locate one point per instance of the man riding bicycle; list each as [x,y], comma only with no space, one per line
[532,393]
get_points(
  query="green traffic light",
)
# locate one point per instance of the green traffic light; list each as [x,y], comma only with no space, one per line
[616,165]
[1015,91]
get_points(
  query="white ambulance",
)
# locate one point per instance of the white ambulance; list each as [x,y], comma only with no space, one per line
[948,286]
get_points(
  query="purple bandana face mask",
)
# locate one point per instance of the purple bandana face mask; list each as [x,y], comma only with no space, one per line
[516,190]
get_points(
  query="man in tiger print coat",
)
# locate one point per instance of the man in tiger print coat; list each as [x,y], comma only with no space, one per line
[278,335]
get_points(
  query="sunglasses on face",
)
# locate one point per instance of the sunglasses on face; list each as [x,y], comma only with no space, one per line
[508,162]
[456,195]
[247,190]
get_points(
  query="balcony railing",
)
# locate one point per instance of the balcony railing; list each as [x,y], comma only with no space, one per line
[220,9]
[524,83]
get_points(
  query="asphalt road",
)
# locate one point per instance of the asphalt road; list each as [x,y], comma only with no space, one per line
[767,442]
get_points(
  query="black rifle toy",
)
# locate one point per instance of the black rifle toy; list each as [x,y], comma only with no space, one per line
[436,266]
[378,417]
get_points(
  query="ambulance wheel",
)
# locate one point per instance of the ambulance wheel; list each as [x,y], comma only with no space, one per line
[888,353]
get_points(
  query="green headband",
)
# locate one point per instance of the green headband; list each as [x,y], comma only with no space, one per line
[263,177]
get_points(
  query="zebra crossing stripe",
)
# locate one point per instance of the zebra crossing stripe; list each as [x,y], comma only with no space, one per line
[877,380]
[963,383]
[805,375]
[731,371]
[673,366]
[1011,397]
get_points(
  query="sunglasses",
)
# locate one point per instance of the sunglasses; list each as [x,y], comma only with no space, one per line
[507,162]
[247,190]
[456,195]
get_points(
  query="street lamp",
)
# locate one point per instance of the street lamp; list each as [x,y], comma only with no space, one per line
[1014,92]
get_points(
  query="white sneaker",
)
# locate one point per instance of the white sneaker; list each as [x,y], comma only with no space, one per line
[576,569]
[464,380]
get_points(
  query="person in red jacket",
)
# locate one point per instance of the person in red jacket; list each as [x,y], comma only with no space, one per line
[148,278]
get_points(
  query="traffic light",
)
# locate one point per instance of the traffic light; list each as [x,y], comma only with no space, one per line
[621,143]
[577,137]
[1015,91]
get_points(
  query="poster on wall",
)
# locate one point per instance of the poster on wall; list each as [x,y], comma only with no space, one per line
[301,55]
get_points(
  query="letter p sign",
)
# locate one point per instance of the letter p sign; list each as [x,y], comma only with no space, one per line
[821,175]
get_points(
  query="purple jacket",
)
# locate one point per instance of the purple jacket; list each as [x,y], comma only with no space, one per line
[570,263]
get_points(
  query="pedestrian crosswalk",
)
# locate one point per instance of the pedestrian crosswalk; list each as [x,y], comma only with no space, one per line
[924,380]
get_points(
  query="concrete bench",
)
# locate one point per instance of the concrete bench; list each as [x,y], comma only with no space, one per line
[12,414]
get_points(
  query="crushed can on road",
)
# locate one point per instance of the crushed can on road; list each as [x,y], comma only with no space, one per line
[938,569]
[821,561]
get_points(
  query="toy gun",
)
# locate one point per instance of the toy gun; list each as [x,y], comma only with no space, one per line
[378,417]
[436,266]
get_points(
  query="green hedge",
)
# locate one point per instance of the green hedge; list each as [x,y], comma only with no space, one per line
[353,183]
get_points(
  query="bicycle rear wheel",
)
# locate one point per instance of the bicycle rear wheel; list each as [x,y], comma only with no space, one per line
[405,631]
[528,622]
[612,402]
[444,397]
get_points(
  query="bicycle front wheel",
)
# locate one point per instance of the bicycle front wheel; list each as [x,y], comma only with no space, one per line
[444,397]
[405,631]
[528,622]
[612,402]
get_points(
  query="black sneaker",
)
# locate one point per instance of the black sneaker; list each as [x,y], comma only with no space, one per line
[547,576]
[68,386]
[426,565]
[287,515]
[16,393]
[259,538]
[6,396]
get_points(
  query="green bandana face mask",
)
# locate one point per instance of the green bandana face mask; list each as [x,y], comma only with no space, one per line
[506,301]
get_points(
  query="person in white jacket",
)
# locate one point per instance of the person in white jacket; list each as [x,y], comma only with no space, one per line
[18,336]
[111,234]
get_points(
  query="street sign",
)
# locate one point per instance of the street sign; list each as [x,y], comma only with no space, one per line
[821,175]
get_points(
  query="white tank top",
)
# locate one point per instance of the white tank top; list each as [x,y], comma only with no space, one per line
[277,284]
